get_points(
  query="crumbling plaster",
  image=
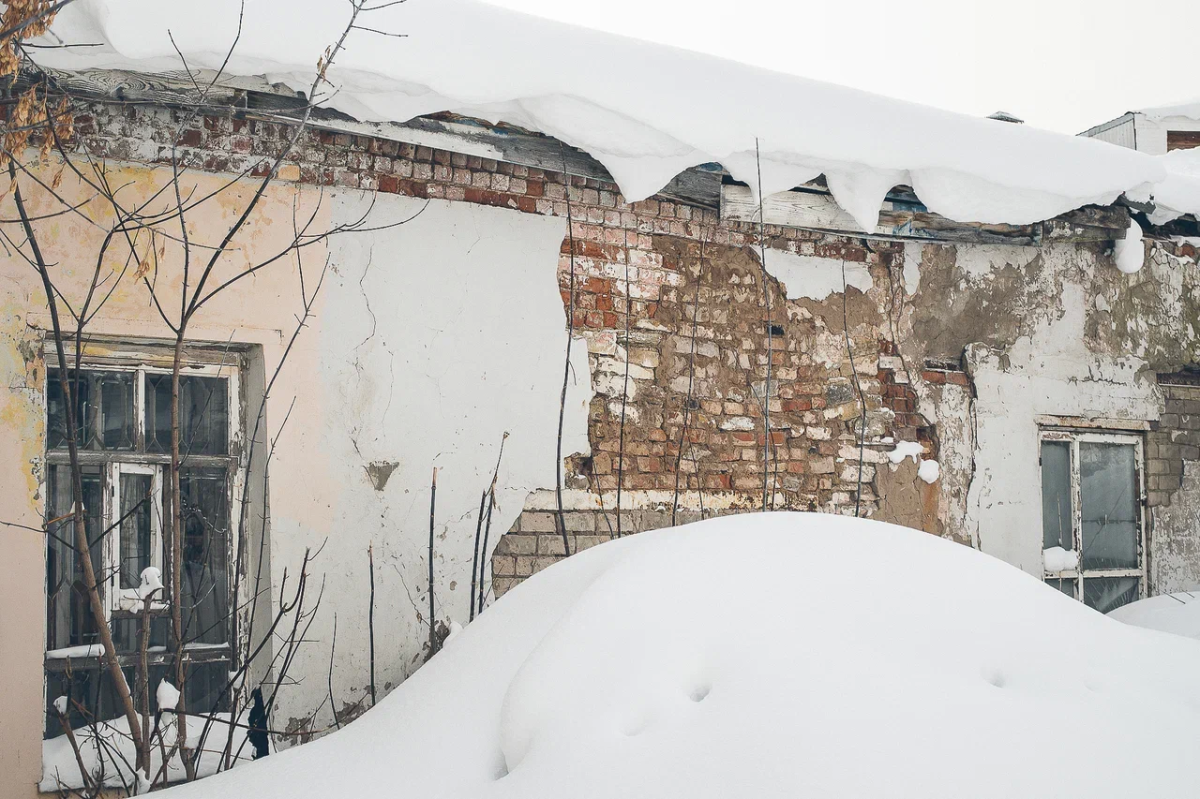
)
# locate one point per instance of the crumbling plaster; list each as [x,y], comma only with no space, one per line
[1175,539]
[1054,331]
[433,339]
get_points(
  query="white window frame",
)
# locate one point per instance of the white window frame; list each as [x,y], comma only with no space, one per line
[127,599]
[1075,437]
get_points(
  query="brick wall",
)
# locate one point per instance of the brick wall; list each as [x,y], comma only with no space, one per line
[1176,443]
[666,285]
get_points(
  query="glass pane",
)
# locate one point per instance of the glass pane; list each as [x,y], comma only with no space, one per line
[203,415]
[127,632]
[1109,593]
[88,685]
[104,406]
[1066,586]
[1056,495]
[68,611]
[1108,484]
[137,506]
[205,588]
[91,686]
[206,683]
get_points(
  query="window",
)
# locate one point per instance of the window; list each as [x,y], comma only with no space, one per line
[122,424]
[1092,528]
[1183,139]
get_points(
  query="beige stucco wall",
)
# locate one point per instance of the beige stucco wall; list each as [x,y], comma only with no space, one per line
[260,312]
[429,342]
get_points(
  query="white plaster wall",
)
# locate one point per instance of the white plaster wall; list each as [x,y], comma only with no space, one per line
[1050,371]
[814,277]
[434,339]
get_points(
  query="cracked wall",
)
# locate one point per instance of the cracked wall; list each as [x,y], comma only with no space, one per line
[433,339]
[1072,338]
[437,338]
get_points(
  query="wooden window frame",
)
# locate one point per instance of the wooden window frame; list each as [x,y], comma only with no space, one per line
[1182,139]
[1129,435]
[143,357]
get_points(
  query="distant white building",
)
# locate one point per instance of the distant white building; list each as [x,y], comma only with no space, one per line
[1153,130]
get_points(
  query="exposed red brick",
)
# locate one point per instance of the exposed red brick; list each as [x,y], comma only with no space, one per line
[389,184]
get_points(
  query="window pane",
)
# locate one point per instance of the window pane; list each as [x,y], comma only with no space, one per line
[1109,593]
[136,509]
[88,685]
[203,415]
[205,588]
[103,410]
[1108,484]
[1056,495]
[127,632]
[1066,586]
[91,686]
[68,612]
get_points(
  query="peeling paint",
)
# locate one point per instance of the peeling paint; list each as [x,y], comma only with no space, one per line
[380,472]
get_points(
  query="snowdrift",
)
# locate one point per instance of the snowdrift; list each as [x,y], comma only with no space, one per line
[1169,613]
[645,111]
[775,655]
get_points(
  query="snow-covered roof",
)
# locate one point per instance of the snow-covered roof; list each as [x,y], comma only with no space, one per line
[645,111]
[1179,194]
[707,662]
[1189,109]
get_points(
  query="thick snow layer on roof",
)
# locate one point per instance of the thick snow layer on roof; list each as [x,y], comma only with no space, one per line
[645,111]
[711,661]
[1189,109]
[1179,194]
[1169,613]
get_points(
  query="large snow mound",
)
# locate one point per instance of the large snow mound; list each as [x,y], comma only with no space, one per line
[1168,613]
[771,655]
[645,111]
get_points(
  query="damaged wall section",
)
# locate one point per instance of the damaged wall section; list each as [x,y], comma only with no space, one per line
[435,338]
[1173,477]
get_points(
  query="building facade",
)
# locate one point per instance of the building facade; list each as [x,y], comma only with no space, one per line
[1002,386]
[1154,130]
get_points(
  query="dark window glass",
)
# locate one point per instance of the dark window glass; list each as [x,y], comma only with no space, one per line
[1109,593]
[136,512]
[87,684]
[104,410]
[91,686]
[205,584]
[1066,586]
[203,415]
[127,631]
[1056,495]
[1108,485]
[69,620]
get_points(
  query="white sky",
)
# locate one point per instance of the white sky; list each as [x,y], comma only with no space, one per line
[1059,64]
